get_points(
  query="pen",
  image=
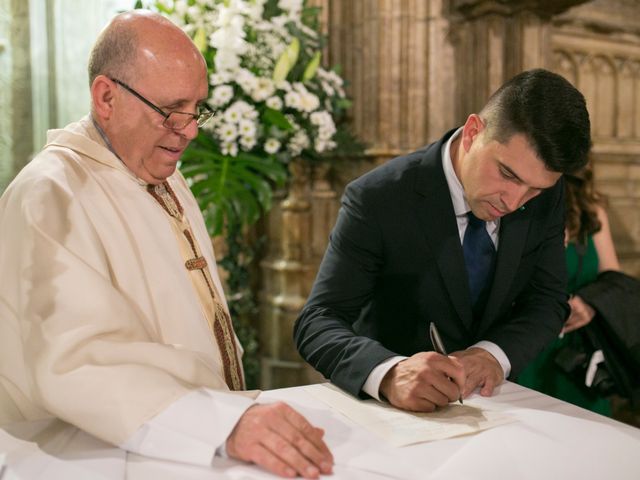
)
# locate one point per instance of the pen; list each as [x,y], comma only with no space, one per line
[439,346]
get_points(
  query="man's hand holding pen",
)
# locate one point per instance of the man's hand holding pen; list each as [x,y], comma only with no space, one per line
[424,381]
[482,370]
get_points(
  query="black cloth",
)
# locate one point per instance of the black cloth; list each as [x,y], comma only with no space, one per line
[394,263]
[615,330]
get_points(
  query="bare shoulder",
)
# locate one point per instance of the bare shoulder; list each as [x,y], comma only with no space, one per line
[603,240]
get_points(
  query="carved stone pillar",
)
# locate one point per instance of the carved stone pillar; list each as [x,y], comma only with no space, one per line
[396,58]
[288,273]
[496,39]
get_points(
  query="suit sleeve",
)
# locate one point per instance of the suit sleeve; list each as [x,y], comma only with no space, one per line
[324,332]
[540,309]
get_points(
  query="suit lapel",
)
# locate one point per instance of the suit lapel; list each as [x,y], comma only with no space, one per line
[437,220]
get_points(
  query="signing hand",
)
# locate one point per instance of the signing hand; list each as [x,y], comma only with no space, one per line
[482,369]
[581,314]
[281,440]
[423,382]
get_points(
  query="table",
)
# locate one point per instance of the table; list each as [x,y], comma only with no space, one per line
[550,439]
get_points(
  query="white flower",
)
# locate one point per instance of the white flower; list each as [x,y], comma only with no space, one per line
[264,89]
[219,78]
[232,115]
[245,47]
[292,7]
[247,143]
[229,148]
[274,103]
[221,96]
[298,142]
[271,146]
[247,128]
[283,85]
[227,132]
[247,80]
[293,100]
[309,102]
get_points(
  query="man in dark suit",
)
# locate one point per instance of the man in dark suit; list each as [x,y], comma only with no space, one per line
[466,233]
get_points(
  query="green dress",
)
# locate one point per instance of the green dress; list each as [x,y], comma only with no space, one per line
[542,374]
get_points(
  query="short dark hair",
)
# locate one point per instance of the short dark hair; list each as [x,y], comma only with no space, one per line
[549,111]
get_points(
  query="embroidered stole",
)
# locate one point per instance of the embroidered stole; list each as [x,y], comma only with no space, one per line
[217,316]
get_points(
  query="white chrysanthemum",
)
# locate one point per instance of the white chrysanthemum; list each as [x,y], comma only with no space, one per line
[220,96]
[271,146]
[293,100]
[298,142]
[247,80]
[247,142]
[264,89]
[274,102]
[247,128]
[232,115]
[229,148]
[309,102]
[220,78]
[292,7]
[227,132]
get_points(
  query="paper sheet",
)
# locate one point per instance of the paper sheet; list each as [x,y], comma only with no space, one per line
[399,428]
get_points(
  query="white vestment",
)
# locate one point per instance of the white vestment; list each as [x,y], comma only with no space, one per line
[100,324]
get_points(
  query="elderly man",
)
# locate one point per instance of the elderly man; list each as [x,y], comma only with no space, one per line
[112,316]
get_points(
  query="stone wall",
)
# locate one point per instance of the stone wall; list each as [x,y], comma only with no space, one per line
[416,69]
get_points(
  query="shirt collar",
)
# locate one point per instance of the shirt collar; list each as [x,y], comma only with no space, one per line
[460,205]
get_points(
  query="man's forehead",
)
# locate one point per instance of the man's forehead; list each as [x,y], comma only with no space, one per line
[523,162]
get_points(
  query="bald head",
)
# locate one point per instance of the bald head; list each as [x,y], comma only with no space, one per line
[137,40]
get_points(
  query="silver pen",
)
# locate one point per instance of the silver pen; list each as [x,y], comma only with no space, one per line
[436,341]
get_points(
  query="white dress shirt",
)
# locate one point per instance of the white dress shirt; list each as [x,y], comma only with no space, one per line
[460,207]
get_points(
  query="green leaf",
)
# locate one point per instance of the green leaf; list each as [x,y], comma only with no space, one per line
[277,118]
[287,60]
[230,190]
[200,40]
[312,67]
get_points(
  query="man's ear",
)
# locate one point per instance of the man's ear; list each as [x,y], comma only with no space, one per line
[103,96]
[472,128]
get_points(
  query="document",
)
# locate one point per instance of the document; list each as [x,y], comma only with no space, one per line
[399,427]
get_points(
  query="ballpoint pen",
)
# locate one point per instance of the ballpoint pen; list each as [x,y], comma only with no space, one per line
[439,346]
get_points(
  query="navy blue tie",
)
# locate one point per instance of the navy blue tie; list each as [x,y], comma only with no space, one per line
[479,257]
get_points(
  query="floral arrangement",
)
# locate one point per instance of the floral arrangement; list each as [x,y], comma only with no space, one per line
[268,90]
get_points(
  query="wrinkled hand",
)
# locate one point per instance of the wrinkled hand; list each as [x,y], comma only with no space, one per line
[423,382]
[281,440]
[482,369]
[581,314]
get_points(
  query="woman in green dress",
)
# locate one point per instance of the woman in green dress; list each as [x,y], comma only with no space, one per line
[589,251]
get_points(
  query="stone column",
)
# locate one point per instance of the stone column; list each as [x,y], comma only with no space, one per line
[288,271]
[496,39]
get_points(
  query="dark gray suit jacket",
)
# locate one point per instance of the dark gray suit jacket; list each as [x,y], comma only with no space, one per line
[395,263]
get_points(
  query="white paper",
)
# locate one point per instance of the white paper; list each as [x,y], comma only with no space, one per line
[399,428]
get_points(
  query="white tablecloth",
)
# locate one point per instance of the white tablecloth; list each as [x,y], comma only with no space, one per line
[550,439]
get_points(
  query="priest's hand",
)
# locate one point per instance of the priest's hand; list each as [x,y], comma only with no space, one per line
[482,369]
[423,382]
[281,440]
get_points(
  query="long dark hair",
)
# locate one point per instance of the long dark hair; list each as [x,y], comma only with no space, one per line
[582,200]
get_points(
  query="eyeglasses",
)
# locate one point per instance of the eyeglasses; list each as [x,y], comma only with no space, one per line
[172,120]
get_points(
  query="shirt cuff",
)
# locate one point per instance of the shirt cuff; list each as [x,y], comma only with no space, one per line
[192,429]
[372,385]
[498,353]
